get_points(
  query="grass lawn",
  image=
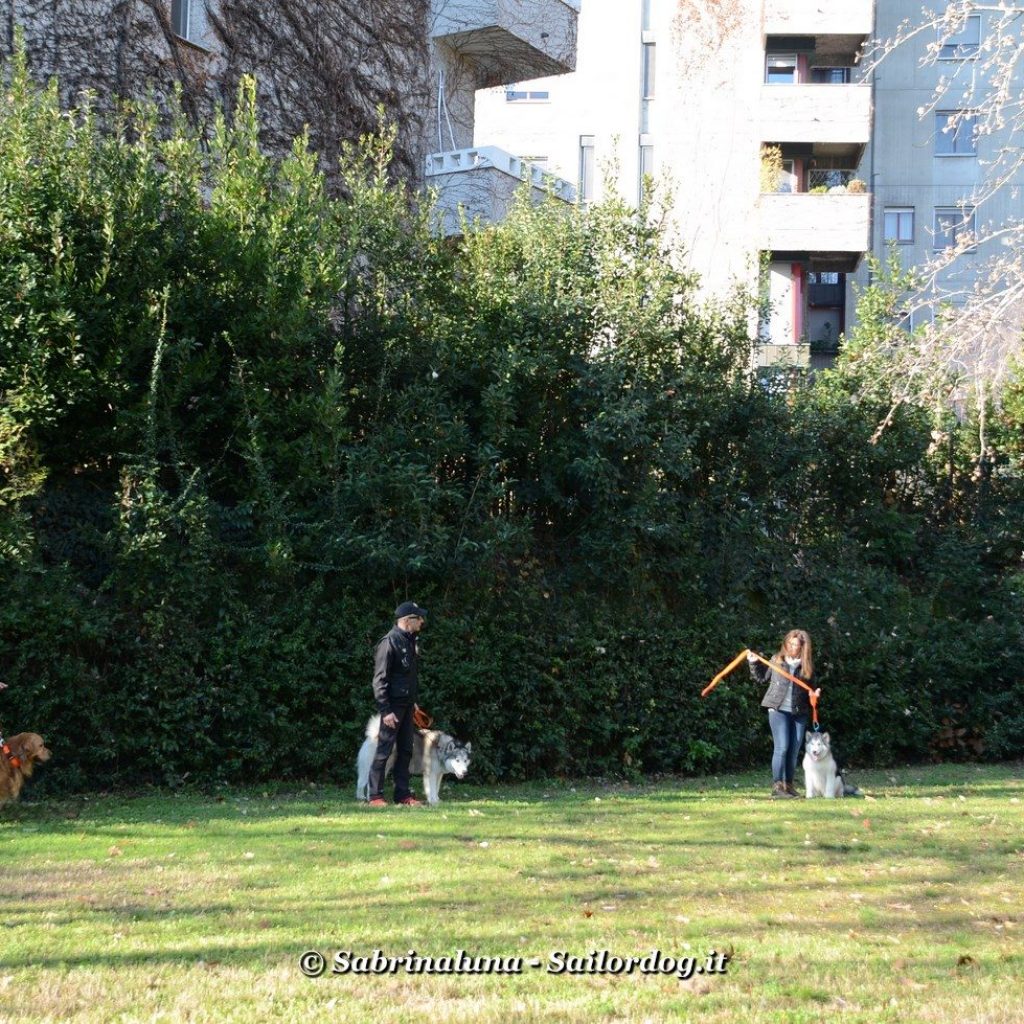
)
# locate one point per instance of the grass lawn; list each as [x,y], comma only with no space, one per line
[903,907]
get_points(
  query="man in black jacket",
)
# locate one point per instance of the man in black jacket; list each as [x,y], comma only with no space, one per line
[395,684]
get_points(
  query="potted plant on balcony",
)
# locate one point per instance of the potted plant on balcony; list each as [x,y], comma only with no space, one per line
[856,186]
[771,168]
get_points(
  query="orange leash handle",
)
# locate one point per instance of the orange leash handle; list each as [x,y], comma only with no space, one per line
[738,660]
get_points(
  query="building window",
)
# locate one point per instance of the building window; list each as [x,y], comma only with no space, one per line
[787,177]
[965,43]
[514,95]
[830,76]
[648,71]
[646,170]
[954,226]
[646,85]
[586,190]
[780,69]
[898,224]
[955,133]
[189,21]
[645,15]
[826,289]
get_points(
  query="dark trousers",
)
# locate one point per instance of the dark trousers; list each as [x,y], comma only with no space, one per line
[402,734]
[787,736]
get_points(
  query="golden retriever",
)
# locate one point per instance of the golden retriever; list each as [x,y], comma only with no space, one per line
[17,762]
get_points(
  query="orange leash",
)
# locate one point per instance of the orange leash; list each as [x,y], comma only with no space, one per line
[741,657]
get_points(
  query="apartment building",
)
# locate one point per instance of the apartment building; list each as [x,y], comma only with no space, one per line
[325,67]
[787,162]
[934,155]
[752,111]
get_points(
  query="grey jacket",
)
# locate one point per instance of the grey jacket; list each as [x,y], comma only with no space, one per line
[779,686]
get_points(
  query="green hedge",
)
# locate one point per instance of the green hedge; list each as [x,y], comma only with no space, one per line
[242,418]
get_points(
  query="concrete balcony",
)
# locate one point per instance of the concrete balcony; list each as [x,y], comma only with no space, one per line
[832,231]
[819,18]
[481,184]
[509,40]
[832,114]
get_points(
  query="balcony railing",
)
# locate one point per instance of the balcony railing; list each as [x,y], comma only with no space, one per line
[480,183]
[815,223]
[825,294]
[834,114]
[816,18]
[829,178]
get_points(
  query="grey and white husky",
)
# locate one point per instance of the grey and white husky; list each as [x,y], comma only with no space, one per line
[820,772]
[434,755]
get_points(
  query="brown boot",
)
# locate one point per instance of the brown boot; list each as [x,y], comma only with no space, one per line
[792,790]
[779,791]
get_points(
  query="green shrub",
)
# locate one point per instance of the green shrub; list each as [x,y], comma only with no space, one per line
[241,418]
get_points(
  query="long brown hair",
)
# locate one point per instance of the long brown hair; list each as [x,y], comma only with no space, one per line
[806,652]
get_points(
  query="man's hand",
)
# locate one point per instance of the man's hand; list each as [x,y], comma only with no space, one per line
[3,686]
[390,720]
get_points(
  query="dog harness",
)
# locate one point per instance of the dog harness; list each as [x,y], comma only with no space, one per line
[6,751]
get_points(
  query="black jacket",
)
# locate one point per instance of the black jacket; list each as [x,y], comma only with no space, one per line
[395,672]
[778,687]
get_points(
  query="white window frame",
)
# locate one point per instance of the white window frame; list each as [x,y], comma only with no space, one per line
[902,214]
[960,220]
[965,133]
[791,60]
[183,22]
[788,183]
[645,15]
[965,44]
[649,70]
[588,165]
[645,166]
[516,95]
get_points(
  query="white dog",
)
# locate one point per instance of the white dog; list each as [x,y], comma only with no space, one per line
[820,772]
[434,755]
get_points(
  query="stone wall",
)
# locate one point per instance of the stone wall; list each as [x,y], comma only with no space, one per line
[327,64]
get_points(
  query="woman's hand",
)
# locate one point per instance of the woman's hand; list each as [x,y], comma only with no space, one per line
[751,657]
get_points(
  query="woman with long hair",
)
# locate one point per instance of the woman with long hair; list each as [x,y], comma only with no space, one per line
[788,705]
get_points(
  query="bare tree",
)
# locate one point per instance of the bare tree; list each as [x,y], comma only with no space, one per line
[973,322]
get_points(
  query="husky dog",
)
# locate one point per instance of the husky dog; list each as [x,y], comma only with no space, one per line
[434,755]
[820,772]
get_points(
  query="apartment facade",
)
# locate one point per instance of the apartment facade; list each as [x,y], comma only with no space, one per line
[936,151]
[325,67]
[787,162]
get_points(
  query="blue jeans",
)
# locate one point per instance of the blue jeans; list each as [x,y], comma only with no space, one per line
[788,735]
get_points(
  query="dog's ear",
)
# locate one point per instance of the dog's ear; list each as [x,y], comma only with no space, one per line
[20,745]
[469,748]
[824,736]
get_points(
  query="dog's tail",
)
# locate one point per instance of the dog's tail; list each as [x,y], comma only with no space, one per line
[849,790]
[373,728]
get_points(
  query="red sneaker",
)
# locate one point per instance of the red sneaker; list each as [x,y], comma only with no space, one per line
[377,801]
[410,801]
